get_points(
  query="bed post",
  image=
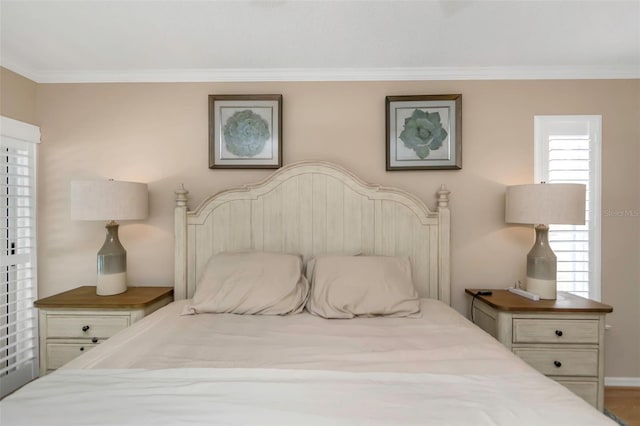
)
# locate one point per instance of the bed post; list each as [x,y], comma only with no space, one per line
[180,230]
[444,245]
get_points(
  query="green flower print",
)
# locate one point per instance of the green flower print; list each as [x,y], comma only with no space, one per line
[423,132]
[245,133]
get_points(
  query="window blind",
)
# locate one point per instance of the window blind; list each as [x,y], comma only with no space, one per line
[18,290]
[569,159]
[568,148]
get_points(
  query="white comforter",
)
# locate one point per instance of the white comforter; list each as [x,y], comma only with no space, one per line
[299,370]
[293,397]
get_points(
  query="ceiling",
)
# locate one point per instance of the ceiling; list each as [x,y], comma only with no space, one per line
[101,41]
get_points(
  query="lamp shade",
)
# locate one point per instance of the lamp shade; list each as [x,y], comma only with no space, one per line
[546,203]
[109,200]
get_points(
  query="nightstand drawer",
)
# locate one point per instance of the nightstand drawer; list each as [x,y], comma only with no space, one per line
[71,326]
[554,331]
[561,362]
[58,354]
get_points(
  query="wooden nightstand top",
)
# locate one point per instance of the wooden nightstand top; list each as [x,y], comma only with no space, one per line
[504,300]
[86,298]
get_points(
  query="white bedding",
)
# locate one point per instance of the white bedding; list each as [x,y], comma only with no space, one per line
[441,341]
[293,397]
[302,370]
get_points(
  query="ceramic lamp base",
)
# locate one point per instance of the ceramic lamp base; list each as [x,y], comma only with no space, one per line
[541,266]
[112,264]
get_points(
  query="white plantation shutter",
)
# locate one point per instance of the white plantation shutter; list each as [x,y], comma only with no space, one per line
[568,151]
[18,317]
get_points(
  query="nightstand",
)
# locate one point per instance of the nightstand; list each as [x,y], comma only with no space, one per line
[77,320]
[562,338]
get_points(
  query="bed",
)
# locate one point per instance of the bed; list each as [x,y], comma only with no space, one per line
[302,369]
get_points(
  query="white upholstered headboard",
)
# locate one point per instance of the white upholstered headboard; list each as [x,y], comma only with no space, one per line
[312,208]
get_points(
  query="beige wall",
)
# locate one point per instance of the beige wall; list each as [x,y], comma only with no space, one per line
[157,133]
[17,97]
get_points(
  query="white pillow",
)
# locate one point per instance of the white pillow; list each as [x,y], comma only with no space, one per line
[311,263]
[350,286]
[251,283]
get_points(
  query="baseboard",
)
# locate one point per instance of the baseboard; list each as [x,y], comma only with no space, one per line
[622,381]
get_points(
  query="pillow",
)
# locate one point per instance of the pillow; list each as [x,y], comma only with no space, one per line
[350,286]
[251,283]
[311,263]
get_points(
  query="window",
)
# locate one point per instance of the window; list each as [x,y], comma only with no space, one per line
[568,150]
[18,317]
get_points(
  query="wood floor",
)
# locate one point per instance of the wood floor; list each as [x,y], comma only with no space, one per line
[624,403]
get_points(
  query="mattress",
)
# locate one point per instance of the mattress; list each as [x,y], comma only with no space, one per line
[300,369]
[441,341]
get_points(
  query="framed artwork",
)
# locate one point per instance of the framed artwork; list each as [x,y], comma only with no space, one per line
[245,131]
[424,132]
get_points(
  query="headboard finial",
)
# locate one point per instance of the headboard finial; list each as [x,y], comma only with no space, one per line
[181,196]
[443,196]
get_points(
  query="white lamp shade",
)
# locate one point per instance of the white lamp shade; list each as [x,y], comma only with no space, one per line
[546,203]
[109,200]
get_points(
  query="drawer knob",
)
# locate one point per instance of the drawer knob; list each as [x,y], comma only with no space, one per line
[559,333]
[94,340]
[85,328]
[81,348]
[558,364]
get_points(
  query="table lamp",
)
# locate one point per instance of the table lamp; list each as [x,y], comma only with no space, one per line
[110,200]
[542,205]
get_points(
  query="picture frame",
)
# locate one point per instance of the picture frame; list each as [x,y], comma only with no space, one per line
[424,132]
[245,131]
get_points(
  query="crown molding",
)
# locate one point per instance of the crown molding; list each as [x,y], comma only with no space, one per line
[329,74]
[18,68]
